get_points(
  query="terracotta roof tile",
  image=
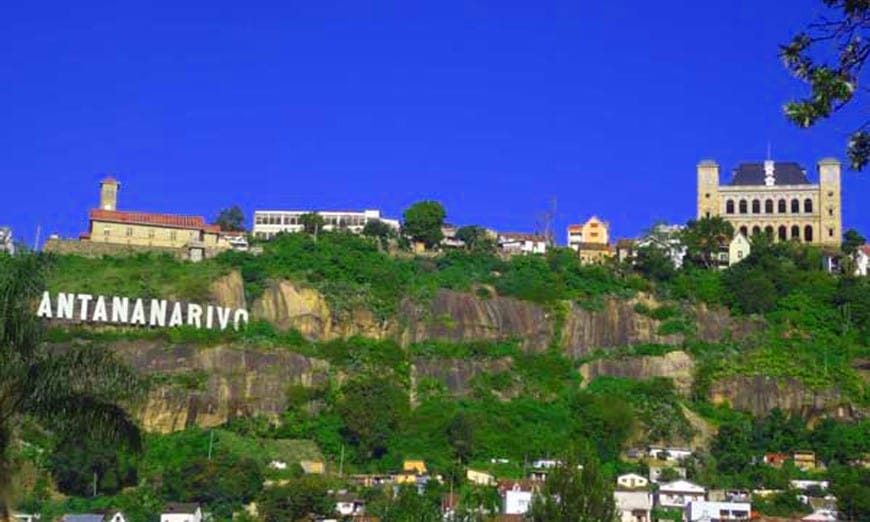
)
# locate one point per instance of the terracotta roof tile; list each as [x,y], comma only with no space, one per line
[147,218]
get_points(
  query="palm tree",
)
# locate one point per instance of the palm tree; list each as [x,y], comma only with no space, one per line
[73,390]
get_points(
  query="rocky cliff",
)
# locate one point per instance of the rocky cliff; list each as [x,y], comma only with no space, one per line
[677,365]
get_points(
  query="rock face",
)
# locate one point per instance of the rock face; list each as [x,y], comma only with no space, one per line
[228,291]
[456,374]
[677,365]
[459,317]
[288,305]
[209,386]
[618,324]
[759,394]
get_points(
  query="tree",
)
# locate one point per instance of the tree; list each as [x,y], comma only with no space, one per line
[76,463]
[72,392]
[224,482]
[832,85]
[423,221]
[476,238]
[460,434]
[852,239]
[231,219]
[372,409]
[705,237]
[377,229]
[298,500]
[312,223]
[655,263]
[576,491]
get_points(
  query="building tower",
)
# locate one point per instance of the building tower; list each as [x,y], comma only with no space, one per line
[830,212]
[708,189]
[109,193]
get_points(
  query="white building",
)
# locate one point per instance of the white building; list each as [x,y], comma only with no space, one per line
[668,454]
[179,512]
[521,243]
[348,505]
[6,244]
[666,238]
[268,223]
[803,485]
[679,493]
[633,506]
[862,261]
[706,511]
[631,481]
[739,249]
[516,496]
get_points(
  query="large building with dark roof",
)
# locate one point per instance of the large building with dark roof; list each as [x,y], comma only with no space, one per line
[776,198]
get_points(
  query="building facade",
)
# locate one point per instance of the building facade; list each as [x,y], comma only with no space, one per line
[511,243]
[775,198]
[268,223]
[593,232]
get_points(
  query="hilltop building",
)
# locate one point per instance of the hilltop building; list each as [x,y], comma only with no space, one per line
[591,240]
[268,223]
[511,243]
[775,198]
[114,231]
[6,244]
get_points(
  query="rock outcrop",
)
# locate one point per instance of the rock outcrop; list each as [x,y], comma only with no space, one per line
[209,386]
[228,291]
[677,365]
[456,374]
[759,394]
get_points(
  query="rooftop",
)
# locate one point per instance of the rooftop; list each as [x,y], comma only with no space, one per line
[784,173]
[147,218]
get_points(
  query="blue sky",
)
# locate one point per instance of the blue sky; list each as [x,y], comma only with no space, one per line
[493,108]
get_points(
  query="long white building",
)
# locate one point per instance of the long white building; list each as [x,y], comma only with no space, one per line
[268,223]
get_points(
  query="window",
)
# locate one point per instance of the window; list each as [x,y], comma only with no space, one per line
[150,234]
[729,207]
[742,206]
[106,232]
[707,195]
[129,231]
[768,231]
[808,205]
[795,206]
[783,233]
[744,231]
[781,206]
[768,206]
[756,206]
[756,230]
[795,232]
[830,232]
[173,235]
[808,233]
[258,219]
[830,212]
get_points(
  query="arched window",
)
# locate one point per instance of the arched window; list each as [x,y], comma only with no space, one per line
[783,233]
[744,231]
[795,206]
[756,230]
[808,233]
[756,206]
[742,206]
[729,206]
[796,232]
[781,207]
[808,205]
[768,231]
[768,206]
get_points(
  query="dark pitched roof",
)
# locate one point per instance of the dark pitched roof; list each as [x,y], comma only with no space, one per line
[784,172]
[180,507]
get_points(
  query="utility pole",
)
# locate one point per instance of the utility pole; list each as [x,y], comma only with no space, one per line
[95,483]
[210,443]
[341,462]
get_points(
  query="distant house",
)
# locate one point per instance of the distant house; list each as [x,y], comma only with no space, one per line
[511,243]
[415,466]
[348,505]
[821,515]
[480,478]
[593,231]
[25,517]
[115,516]
[738,249]
[83,517]
[668,454]
[312,467]
[630,481]
[546,464]
[803,485]
[804,460]
[775,460]
[862,261]
[233,240]
[269,223]
[516,495]
[665,238]
[178,512]
[679,493]
[624,249]
[633,506]
[6,244]
[708,511]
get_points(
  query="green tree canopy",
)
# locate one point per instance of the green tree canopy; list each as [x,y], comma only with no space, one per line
[705,237]
[423,221]
[576,491]
[72,392]
[299,500]
[832,84]
[231,219]
[312,223]
[372,409]
[852,239]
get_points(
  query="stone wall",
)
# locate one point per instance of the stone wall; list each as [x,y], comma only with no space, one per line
[97,249]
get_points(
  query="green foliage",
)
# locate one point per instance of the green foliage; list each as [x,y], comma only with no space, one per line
[296,501]
[852,239]
[832,84]
[423,220]
[372,409]
[75,465]
[312,223]
[232,219]
[575,491]
[704,238]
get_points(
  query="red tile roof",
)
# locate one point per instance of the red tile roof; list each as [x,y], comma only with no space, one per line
[865,249]
[110,179]
[147,218]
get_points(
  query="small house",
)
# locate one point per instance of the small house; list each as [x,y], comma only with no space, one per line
[679,493]
[479,478]
[707,511]
[180,512]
